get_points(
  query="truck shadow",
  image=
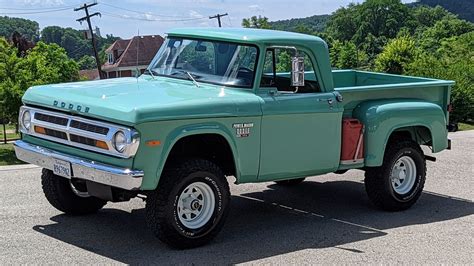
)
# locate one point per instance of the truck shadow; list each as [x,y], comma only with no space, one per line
[276,221]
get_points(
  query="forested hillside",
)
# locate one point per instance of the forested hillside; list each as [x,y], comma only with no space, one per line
[463,8]
[315,23]
[26,27]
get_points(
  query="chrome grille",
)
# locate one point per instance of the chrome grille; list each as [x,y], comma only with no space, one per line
[51,119]
[78,132]
[55,133]
[89,127]
[83,140]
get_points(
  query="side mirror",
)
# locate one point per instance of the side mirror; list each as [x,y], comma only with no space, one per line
[297,71]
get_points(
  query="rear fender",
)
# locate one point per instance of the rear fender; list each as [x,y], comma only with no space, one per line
[383,117]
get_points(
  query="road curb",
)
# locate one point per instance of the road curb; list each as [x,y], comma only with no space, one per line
[18,167]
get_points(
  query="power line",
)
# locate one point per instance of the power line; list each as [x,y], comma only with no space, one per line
[37,8]
[136,11]
[37,12]
[149,19]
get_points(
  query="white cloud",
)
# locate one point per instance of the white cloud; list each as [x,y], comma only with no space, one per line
[255,8]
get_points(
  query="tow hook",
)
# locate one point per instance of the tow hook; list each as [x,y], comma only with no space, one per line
[430,158]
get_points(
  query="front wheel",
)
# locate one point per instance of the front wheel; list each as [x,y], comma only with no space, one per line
[398,183]
[67,196]
[190,205]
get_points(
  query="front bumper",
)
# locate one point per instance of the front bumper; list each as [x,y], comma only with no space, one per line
[81,168]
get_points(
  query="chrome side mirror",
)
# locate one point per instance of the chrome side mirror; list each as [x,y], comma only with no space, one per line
[297,71]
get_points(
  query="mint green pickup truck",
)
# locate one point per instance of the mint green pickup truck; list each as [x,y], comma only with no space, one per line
[215,104]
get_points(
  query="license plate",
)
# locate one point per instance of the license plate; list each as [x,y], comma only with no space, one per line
[62,168]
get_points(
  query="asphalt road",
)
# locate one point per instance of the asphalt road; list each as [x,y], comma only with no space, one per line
[327,219]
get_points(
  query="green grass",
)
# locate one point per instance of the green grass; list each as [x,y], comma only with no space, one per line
[7,155]
[464,126]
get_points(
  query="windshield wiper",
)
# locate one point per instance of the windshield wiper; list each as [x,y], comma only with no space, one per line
[193,79]
[190,76]
[150,72]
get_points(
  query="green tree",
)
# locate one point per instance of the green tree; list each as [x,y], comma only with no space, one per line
[454,60]
[448,26]
[86,62]
[370,24]
[397,54]
[26,27]
[44,64]
[345,55]
[256,22]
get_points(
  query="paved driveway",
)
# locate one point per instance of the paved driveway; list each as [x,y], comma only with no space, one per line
[327,219]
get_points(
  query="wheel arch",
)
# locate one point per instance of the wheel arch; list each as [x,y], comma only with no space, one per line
[199,135]
[384,120]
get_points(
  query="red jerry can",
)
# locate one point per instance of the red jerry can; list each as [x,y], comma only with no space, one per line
[352,150]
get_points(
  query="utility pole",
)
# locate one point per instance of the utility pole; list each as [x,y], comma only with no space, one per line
[218,16]
[87,18]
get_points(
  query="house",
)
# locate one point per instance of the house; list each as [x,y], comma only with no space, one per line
[123,58]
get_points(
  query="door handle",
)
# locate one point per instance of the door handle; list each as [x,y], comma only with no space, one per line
[330,101]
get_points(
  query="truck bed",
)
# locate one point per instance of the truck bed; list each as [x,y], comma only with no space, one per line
[357,86]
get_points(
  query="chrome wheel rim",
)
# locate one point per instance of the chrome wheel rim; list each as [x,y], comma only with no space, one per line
[403,175]
[196,205]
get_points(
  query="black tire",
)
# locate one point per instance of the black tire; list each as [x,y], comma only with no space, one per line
[161,204]
[290,182]
[378,184]
[59,193]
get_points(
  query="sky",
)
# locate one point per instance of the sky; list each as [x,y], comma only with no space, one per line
[126,18]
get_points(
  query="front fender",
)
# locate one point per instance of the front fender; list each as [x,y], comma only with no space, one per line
[382,117]
[153,160]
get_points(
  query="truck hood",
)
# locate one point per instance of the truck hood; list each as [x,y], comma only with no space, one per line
[132,101]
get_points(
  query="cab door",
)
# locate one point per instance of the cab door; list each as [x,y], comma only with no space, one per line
[301,129]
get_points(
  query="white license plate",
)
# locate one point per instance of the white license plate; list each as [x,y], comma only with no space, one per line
[62,168]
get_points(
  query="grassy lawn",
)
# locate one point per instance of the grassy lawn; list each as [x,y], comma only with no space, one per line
[7,155]
[463,126]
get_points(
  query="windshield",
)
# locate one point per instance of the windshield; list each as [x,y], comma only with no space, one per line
[222,63]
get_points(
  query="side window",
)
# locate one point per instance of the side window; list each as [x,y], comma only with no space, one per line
[277,71]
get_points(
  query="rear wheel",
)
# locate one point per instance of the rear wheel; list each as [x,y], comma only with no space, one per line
[69,197]
[190,205]
[398,183]
[290,182]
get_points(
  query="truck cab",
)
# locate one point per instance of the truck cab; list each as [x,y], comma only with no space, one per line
[258,105]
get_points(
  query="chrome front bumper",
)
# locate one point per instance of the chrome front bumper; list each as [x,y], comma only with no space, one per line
[81,168]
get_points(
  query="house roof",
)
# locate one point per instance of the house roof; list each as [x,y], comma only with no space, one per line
[140,50]
[118,45]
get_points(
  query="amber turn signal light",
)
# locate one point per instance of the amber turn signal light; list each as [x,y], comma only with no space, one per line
[101,144]
[40,130]
[153,143]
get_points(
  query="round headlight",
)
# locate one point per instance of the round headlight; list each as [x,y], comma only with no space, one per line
[26,120]
[119,141]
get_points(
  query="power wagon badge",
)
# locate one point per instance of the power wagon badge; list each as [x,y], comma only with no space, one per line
[242,130]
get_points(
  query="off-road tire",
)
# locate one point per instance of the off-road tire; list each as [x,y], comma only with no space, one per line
[59,193]
[378,183]
[161,204]
[290,182]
